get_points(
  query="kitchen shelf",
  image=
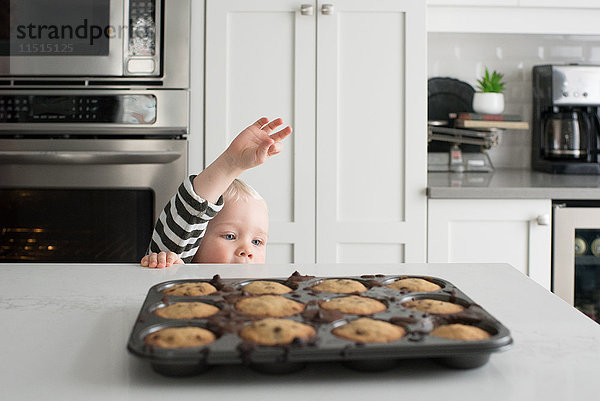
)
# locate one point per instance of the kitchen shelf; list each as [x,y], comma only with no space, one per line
[587,260]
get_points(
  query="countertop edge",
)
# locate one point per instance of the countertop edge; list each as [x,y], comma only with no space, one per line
[512,184]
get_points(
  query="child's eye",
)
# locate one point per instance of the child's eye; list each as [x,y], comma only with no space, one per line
[256,242]
[229,236]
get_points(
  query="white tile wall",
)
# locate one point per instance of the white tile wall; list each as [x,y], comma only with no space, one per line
[465,56]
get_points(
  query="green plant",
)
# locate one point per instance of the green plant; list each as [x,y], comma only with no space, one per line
[491,83]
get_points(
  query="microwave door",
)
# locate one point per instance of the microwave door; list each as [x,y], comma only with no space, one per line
[65,38]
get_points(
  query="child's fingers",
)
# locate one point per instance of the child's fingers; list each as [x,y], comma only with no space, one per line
[152,260]
[162,260]
[260,122]
[171,258]
[281,134]
[275,148]
[272,125]
[178,262]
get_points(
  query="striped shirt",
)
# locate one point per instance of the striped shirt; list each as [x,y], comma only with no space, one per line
[182,223]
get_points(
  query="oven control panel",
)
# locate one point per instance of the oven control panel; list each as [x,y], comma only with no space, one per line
[116,109]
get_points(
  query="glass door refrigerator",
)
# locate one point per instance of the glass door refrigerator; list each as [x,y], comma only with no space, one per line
[576,255]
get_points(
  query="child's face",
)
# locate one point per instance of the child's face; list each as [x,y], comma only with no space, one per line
[238,234]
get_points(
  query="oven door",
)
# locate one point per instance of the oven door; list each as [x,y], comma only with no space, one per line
[84,200]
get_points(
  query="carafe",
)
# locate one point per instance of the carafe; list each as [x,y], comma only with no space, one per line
[566,134]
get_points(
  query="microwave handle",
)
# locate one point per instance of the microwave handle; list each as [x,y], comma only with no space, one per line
[87,157]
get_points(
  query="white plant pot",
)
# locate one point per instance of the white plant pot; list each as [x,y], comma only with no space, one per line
[488,102]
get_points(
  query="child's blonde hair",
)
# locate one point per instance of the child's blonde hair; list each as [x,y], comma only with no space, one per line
[240,190]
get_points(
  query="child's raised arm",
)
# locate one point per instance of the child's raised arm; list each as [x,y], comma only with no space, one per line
[183,221]
[252,147]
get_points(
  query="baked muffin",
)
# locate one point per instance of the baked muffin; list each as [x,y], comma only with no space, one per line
[180,337]
[266,287]
[433,306]
[271,331]
[366,330]
[414,285]
[340,286]
[460,332]
[269,305]
[354,304]
[186,310]
[193,289]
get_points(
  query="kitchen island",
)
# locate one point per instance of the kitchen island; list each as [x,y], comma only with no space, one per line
[65,329]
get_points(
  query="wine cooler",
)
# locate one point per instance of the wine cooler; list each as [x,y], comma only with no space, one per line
[576,255]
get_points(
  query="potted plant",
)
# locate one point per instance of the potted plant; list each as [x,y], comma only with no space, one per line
[489,99]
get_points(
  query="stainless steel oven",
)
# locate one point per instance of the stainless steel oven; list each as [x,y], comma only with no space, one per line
[94,42]
[84,174]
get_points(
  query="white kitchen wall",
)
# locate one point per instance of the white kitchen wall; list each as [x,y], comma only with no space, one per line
[464,56]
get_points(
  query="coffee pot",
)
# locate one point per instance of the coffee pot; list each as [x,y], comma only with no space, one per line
[567,133]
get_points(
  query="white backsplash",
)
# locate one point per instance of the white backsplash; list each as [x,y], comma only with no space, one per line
[465,57]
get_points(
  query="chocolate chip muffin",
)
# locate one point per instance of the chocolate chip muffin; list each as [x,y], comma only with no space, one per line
[180,337]
[266,287]
[269,305]
[340,286]
[354,304]
[271,331]
[366,330]
[460,332]
[186,310]
[433,306]
[193,289]
[414,285]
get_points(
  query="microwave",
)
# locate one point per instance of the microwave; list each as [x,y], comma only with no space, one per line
[98,41]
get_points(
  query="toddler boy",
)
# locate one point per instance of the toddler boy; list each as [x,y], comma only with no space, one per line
[238,228]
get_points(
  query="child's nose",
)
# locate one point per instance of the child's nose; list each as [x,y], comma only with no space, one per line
[244,251]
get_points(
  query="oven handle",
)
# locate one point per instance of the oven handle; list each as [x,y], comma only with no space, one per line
[93,157]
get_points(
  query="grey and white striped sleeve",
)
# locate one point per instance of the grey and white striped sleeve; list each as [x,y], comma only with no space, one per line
[182,223]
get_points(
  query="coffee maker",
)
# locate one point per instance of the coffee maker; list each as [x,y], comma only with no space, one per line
[566,125]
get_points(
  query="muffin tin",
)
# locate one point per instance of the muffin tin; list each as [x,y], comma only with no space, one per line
[231,349]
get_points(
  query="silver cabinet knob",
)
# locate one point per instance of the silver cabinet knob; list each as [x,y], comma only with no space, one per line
[543,220]
[306,9]
[327,9]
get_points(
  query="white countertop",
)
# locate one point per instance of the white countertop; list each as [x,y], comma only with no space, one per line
[512,184]
[65,329]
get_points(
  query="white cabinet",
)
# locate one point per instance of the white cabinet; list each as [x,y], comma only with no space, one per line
[514,231]
[514,16]
[260,61]
[350,77]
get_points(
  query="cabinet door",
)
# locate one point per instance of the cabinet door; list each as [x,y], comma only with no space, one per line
[260,61]
[371,131]
[511,231]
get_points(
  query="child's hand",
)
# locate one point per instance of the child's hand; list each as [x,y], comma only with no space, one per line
[254,145]
[160,260]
